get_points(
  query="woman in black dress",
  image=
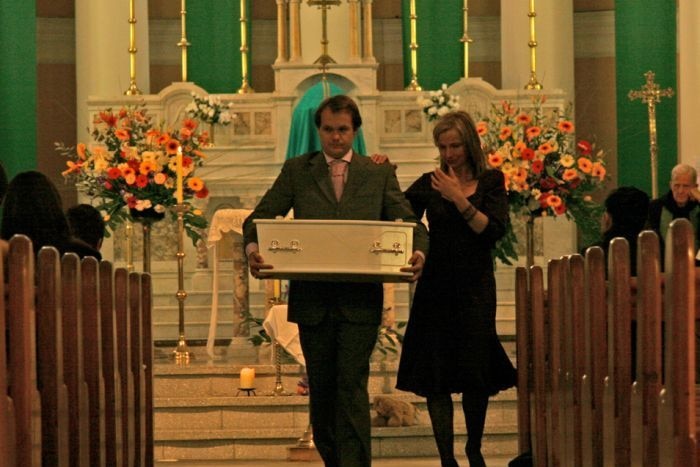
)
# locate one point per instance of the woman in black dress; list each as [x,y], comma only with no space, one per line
[450,345]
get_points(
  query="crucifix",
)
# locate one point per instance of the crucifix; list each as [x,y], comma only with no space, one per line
[650,94]
[324,5]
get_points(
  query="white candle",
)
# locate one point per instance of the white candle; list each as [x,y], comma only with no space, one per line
[178,172]
[247,378]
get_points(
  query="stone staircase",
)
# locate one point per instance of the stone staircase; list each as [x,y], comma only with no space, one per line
[199,416]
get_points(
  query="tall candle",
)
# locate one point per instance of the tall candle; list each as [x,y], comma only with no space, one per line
[277,289]
[178,171]
[247,378]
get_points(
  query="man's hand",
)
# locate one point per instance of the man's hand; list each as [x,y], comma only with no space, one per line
[416,267]
[257,265]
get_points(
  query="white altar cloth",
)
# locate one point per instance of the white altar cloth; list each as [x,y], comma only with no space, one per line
[286,333]
[224,220]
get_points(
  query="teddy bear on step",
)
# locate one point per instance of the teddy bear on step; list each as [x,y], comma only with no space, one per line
[393,412]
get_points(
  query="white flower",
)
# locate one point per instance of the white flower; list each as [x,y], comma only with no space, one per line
[159,208]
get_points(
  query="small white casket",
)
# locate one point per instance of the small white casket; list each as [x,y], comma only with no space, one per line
[336,250]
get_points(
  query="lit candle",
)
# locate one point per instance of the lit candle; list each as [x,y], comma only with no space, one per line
[247,378]
[178,171]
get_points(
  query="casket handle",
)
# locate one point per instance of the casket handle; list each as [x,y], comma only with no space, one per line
[395,248]
[294,246]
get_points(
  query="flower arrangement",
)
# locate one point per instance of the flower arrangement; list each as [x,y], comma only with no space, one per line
[209,110]
[547,172]
[438,103]
[133,163]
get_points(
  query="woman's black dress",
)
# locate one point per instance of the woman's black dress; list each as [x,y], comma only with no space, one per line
[450,344]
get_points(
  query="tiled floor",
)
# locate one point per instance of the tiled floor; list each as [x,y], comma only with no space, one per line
[402,462]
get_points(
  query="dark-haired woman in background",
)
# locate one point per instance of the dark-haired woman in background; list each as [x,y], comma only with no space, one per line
[33,207]
[451,345]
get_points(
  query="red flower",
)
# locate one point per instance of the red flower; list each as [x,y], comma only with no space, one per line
[584,147]
[107,185]
[528,154]
[141,180]
[561,209]
[548,183]
[537,166]
[203,193]
[131,202]
[114,173]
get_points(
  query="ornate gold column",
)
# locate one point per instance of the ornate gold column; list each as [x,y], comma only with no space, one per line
[466,40]
[354,18]
[282,51]
[532,43]
[133,90]
[367,47]
[413,18]
[245,87]
[183,44]
[295,30]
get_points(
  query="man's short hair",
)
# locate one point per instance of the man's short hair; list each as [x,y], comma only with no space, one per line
[86,223]
[339,103]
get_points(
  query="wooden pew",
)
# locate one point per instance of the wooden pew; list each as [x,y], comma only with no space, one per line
[67,402]
[584,405]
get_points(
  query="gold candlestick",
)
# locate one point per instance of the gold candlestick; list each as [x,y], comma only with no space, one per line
[324,6]
[133,89]
[466,40]
[245,87]
[129,246]
[183,44]
[181,354]
[532,83]
[413,85]
[650,94]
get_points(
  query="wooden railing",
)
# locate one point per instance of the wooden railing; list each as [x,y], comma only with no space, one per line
[585,398]
[75,361]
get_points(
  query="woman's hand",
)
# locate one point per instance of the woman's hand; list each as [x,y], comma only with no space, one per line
[379,158]
[447,184]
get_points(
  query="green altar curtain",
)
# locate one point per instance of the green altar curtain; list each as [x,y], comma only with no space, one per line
[214,56]
[303,136]
[440,53]
[18,81]
[645,39]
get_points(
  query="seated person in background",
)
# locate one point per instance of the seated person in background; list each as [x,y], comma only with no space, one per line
[86,223]
[625,215]
[33,207]
[681,201]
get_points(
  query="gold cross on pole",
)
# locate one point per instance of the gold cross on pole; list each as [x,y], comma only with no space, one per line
[651,94]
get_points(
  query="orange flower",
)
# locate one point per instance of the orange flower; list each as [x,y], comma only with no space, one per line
[189,123]
[482,128]
[172,146]
[533,132]
[195,184]
[163,139]
[520,146]
[128,172]
[80,150]
[505,133]
[152,136]
[160,178]
[545,148]
[199,153]
[520,175]
[72,167]
[147,167]
[598,170]
[553,201]
[569,174]
[495,160]
[565,126]
[109,118]
[185,133]
[523,119]
[585,165]
[122,134]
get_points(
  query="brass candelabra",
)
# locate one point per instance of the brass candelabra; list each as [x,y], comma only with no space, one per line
[245,87]
[413,85]
[133,90]
[532,83]
[651,94]
[181,354]
[183,44]
[465,39]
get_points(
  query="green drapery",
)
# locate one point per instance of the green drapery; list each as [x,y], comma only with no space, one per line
[440,53]
[18,80]
[303,136]
[645,39]
[214,56]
